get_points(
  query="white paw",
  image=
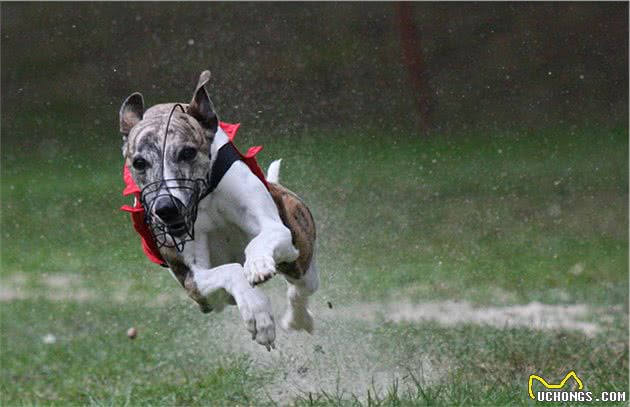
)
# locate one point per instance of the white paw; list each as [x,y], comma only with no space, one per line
[255,310]
[259,270]
[297,319]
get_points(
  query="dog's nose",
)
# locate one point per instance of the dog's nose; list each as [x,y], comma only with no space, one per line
[167,208]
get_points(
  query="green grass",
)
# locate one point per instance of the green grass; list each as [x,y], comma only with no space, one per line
[493,219]
[93,362]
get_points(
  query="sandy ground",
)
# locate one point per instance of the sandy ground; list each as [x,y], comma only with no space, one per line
[535,315]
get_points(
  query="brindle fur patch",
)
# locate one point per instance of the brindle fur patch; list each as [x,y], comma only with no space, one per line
[298,218]
[185,276]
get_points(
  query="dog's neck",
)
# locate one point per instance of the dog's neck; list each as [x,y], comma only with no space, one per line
[219,140]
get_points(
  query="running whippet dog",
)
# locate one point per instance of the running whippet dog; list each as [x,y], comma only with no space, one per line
[220,228]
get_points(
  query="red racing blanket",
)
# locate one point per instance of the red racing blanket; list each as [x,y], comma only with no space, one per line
[137,211]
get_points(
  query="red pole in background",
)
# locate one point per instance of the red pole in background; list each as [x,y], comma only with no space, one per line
[411,44]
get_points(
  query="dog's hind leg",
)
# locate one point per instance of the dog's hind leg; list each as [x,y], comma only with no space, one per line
[297,316]
[302,275]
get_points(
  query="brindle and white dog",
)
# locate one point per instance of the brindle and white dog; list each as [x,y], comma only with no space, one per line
[243,232]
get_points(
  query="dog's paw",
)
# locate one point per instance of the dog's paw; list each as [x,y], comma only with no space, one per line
[255,310]
[259,270]
[297,319]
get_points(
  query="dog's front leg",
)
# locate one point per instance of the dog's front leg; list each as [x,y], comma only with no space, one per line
[271,246]
[253,304]
[245,201]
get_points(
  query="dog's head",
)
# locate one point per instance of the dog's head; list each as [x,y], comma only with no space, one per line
[166,148]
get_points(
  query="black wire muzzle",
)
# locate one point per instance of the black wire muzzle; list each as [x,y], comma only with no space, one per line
[179,227]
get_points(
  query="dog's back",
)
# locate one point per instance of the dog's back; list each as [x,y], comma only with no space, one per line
[298,218]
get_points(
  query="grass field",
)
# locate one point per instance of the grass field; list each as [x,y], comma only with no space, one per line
[427,250]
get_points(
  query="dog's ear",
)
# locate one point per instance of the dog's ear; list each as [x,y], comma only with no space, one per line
[201,107]
[131,113]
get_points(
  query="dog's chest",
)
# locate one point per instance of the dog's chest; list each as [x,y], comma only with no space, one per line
[217,241]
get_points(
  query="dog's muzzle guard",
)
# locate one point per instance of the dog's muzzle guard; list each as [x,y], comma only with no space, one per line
[179,227]
[174,230]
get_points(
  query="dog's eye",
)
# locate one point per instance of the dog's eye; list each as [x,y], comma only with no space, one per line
[187,154]
[140,164]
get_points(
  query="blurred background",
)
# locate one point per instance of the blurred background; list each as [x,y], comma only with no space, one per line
[337,65]
[466,165]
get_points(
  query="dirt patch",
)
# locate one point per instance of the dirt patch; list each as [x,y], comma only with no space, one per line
[534,315]
[344,358]
[73,287]
[54,287]
[12,294]
[14,288]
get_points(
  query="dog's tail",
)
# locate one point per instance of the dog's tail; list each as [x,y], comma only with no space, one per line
[273,172]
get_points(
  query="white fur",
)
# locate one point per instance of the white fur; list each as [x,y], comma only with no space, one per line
[242,200]
[239,223]
[217,285]
[297,316]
